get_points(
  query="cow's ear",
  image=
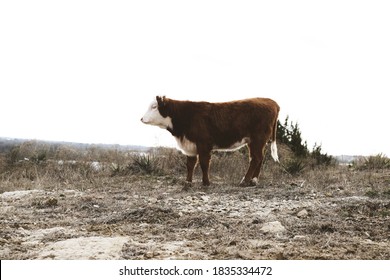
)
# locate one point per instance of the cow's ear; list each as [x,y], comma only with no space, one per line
[160,101]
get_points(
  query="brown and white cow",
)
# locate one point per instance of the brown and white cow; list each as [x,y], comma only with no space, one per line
[200,127]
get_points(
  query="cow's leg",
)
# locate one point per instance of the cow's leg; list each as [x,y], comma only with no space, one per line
[191,162]
[256,173]
[256,159]
[204,161]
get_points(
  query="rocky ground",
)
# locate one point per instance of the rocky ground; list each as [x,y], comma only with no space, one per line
[333,214]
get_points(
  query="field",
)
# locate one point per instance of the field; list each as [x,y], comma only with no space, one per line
[119,205]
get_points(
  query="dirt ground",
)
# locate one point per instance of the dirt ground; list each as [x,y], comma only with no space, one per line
[333,214]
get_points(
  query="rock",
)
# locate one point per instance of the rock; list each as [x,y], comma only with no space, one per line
[18,194]
[300,237]
[303,213]
[263,213]
[85,248]
[273,227]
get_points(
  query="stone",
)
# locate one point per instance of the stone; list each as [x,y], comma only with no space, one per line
[300,237]
[303,213]
[273,227]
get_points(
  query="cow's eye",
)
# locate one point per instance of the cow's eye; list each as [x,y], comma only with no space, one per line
[154,106]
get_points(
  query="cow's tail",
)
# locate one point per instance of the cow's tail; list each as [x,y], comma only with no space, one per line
[274,148]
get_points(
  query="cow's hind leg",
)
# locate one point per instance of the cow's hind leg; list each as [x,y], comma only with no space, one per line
[256,173]
[256,154]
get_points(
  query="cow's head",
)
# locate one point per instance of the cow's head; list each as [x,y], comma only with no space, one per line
[157,113]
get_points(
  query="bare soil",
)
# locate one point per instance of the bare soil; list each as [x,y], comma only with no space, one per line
[336,213]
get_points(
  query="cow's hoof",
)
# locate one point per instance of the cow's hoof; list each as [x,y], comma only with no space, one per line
[187,186]
[206,184]
[244,183]
[253,182]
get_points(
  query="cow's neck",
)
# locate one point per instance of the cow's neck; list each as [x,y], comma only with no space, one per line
[177,129]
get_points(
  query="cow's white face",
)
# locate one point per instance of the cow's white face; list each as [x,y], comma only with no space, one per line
[153,117]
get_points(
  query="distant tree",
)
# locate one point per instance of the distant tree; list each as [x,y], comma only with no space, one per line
[282,133]
[290,134]
[319,157]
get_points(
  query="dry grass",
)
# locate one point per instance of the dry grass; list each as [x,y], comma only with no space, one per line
[334,212]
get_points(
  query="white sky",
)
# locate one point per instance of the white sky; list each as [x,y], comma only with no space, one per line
[86,71]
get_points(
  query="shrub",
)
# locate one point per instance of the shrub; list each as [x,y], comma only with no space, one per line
[320,158]
[290,134]
[144,163]
[375,162]
[169,160]
[294,166]
[30,150]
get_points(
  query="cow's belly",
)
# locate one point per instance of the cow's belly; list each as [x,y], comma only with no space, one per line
[186,146]
[235,146]
[189,148]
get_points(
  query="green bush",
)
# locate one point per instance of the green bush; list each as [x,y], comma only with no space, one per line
[290,134]
[145,164]
[321,158]
[294,166]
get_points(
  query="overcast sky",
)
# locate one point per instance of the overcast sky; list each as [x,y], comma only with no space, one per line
[86,71]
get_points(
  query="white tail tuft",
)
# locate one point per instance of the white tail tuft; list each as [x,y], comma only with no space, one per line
[274,151]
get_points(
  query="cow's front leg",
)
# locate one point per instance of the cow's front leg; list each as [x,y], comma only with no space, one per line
[191,162]
[204,161]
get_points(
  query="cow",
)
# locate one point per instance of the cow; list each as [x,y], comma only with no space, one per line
[201,127]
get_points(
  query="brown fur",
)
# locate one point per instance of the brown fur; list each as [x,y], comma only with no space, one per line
[222,124]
